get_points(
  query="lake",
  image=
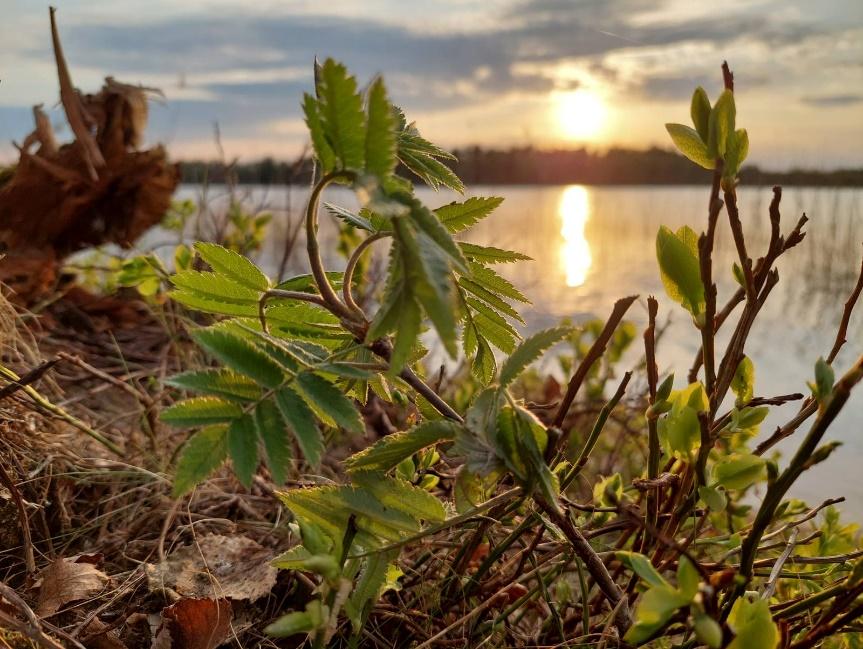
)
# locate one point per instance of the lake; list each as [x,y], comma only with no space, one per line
[593,245]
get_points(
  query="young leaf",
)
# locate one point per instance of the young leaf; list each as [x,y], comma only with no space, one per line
[272,432]
[329,400]
[687,578]
[323,151]
[678,264]
[460,216]
[529,351]
[738,149]
[342,118]
[301,420]
[240,355]
[200,411]
[743,382]
[714,498]
[690,144]
[490,254]
[380,132]
[243,448]
[233,265]
[653,612]
[721,125]
[409,325]
[739,471]
[493,282]
[700,112]
[291,624]
[389,451]
[752,624]
[642,567]
[202,454]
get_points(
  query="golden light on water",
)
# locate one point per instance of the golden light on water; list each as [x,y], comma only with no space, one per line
[575,258]
[580,114]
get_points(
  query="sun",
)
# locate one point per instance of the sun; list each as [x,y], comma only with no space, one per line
[580,114]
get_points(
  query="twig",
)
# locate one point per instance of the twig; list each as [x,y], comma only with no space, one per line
[351,267]
[770,586]
[32,629]
[594,353]
[23,519]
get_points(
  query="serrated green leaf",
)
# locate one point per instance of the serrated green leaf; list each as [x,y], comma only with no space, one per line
[491,326]
[491,281]
[356,220]
[341,113]
[271,429]
[222,382]
[216,306]
[328,399]
[460,216]
[421,157]
[700,111]
[200,411]
[427,222]
[490,254]
[215,286]
[490,298]
[243,448]
[367,587]
[528,351]
[202,454]
[689,143]
[301,420]
[380,132]
[386,453]
[407,331]
[233,265]
[323,151]
[240,355]
[400,495]
[677,254]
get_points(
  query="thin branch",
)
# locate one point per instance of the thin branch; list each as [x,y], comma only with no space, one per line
[846,317]
[351,267]
[594,354]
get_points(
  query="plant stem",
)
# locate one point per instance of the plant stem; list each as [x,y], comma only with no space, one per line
[351,267]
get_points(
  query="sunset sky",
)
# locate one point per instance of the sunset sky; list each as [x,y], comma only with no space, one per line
[552,73]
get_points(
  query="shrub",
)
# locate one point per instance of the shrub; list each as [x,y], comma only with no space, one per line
[675,555]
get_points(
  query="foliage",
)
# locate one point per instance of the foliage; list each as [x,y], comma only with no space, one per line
[293,364]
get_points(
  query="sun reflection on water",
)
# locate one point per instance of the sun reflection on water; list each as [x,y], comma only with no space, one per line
[575,258]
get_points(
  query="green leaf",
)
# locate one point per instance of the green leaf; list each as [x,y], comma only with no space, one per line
[642,567]
[490,254]
[689,143]
[271,429]
[392,449]
[240,355]
[743,382]
[653,612]
[714,498]
[687,578]
[233,265]
[490,298]
[531,349]
[738,149]
[323,151]
[367,587]
[677,254]
[428,222]
[680,431]
[341,112]
[380,132]
[218,306]
[202,454]
[752,624]
[700,112]
[720,125]
[824,379]
[221,382]
[739,471]
[329,400]
[356,220]
[492,326]
[421,157]
[400,495]
[291,624]
[491,281]
[460,216]
[409,326]
[301,420]
[243,448]
[707,630]
[215,286]
[200,411]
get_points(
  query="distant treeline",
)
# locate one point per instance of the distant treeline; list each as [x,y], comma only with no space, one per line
[529,166]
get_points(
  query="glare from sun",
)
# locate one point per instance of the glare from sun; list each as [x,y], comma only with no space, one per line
[580,114]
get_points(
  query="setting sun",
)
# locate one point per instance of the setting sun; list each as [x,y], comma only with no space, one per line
[580,114]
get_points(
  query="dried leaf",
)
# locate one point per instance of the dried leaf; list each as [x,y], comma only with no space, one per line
[66,581]
[232,567]
[194,624]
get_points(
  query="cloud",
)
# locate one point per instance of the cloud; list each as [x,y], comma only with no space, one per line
[830,101]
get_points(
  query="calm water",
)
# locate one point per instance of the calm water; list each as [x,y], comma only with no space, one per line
[592,245]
